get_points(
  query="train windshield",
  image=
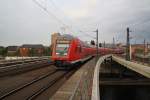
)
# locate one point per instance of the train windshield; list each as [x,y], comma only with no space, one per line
[62,49]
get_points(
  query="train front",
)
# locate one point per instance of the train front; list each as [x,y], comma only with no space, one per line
[60,54]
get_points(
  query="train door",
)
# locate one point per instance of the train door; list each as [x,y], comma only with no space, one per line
[78,51]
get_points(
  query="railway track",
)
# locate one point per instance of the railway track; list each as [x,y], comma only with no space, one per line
[27,84]
[34,88]
[21,61]
[13,69]
[41,85]
[44,88]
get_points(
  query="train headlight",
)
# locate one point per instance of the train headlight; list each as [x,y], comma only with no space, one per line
[57,53]
[65,54]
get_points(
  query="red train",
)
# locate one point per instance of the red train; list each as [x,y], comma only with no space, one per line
[69,50]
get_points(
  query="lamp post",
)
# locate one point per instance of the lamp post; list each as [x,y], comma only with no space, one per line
[96,46]
[96,59]
[128,45]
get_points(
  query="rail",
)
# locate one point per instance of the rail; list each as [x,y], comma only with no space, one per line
[140,59]
[23,59]
[12,69]
[27,84]
[95,88]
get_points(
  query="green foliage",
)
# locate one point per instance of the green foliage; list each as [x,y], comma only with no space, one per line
[3,51]
[32,52]
[47,51]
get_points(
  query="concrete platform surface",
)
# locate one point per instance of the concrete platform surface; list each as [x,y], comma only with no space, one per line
[79,85]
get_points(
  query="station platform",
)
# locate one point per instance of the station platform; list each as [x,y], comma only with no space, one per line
[84,84]
[79,84]
[114,77]
[137,67]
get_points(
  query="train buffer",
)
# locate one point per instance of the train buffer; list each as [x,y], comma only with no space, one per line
[112,78]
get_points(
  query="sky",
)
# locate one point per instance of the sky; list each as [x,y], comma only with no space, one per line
[27,22]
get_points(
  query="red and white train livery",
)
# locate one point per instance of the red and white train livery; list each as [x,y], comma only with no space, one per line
[69,50]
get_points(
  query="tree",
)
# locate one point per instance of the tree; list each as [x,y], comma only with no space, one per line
[31,52]
[47,51]
[3,52]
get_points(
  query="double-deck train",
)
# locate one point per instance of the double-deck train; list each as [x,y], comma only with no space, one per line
[69,50]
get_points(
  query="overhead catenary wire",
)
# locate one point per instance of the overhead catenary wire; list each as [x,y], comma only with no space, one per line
[88,34]
[49,13]
[137,28]
[55,17]
[58,8]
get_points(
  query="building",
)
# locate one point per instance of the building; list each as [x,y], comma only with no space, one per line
[54,36]
[140,48]
[31,50]
[12,50]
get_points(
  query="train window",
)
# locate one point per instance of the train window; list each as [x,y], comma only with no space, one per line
[62,49]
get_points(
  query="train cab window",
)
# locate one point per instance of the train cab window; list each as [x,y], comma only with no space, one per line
[62,49]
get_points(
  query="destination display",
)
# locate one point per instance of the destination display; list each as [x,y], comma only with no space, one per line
[63,41]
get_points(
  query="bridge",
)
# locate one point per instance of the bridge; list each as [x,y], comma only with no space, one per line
[113,78]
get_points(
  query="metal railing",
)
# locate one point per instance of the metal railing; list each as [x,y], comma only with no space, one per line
[141,59]
[139,68]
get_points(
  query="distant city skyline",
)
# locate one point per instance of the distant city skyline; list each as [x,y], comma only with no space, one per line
[24,22]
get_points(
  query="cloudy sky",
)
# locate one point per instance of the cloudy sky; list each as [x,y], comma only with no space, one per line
[27,22]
